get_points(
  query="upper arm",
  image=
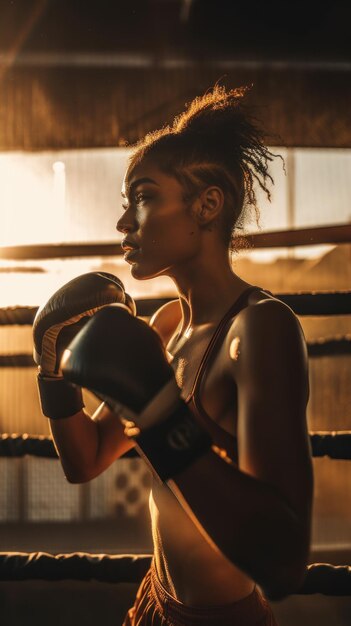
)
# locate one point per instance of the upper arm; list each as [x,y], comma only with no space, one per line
[271,373]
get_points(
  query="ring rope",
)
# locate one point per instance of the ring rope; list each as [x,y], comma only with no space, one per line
[329,347]
[16,445]
[302,303]
[331,580]
[75,566]
[322,347]
[335,445]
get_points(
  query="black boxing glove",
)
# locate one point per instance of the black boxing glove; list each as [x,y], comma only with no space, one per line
[123,361]
[55,325]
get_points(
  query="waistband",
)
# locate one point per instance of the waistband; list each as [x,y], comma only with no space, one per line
[248,611]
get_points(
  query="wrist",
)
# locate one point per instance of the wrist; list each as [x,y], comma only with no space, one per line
[44,373]
[172,444]
[58,398]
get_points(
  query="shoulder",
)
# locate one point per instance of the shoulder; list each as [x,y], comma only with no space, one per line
[264,336]
[265,314]
[166,319]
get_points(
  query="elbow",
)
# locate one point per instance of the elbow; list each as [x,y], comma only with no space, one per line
[285,566]
[77,471]
[77,475]
[282,570]
[277,580]
[283,586]
[76,478]
[284,580]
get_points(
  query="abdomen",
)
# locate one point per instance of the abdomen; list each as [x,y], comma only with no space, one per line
[188,566]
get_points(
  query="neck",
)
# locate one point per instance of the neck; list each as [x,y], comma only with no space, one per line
[207,287]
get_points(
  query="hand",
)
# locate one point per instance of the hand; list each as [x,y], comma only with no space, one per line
[122,360]
[59,320]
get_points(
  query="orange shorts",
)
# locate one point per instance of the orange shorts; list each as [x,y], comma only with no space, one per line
[154,606]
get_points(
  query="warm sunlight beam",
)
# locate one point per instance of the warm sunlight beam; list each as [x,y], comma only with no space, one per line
[32,201]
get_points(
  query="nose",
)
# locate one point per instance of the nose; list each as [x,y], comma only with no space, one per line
[126,223]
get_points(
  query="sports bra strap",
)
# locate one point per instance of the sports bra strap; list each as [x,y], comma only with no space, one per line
[235,308]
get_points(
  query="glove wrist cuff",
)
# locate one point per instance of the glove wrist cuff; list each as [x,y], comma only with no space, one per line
[58,398]
[173,444]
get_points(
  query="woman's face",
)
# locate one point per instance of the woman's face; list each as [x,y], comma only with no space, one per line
[160,229]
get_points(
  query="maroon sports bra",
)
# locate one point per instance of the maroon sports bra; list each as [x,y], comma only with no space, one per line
[221,437]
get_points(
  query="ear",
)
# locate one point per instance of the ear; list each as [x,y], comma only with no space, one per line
[208,206]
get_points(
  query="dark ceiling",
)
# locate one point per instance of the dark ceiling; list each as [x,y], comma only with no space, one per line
[242,30]
[94,73]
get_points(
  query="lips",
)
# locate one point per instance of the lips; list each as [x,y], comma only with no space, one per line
[128,244]
[130,249]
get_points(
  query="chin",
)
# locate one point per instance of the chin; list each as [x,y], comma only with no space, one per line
[140,273]
[143,273]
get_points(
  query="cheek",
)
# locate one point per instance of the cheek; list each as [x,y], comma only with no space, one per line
[171,232]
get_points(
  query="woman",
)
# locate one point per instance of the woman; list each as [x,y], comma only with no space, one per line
[186,190]
[241,514]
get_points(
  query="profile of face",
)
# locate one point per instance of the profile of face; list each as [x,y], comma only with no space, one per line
[161,232]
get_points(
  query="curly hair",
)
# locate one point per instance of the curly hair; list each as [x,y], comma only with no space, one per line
[215,141]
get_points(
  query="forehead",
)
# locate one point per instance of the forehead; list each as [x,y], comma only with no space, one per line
[146,171]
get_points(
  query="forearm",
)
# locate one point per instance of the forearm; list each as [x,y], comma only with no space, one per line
[247,521]
[87,445]
[76,440]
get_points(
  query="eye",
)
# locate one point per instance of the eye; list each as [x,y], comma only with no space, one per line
[141,197]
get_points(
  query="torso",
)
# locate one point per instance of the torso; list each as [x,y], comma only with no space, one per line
[189,568]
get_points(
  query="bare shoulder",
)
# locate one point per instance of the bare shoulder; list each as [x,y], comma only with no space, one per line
[268,316]
[265,336]
[166,319]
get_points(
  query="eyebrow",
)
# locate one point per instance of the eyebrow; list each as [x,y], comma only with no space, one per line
[139,181]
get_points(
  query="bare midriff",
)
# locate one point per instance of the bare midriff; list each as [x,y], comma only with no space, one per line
[189,568]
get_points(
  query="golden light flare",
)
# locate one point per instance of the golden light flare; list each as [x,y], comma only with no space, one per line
[22,35]
[234,349]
